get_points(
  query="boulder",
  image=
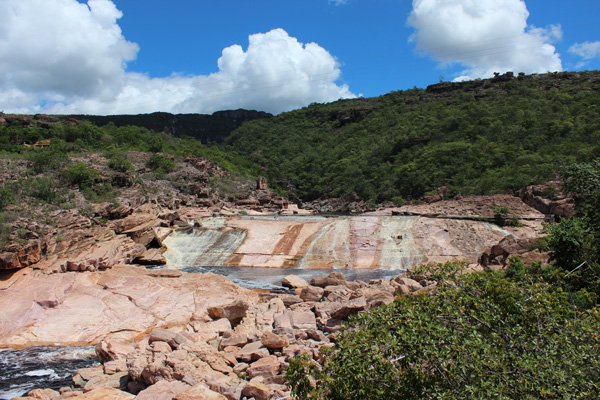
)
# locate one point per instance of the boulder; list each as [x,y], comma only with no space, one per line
[234,311]
[412,284]
[163,390]
[351,307]
[312,293]
[43,394]
[267,367]
[273,342]
[257,390]
[294,282]
[252,352]
[303,319]
[199,392]
[333,279]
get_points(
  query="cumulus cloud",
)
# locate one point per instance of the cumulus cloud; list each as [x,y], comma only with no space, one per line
[485,36]
[338,2]
[63,56]
[586,50]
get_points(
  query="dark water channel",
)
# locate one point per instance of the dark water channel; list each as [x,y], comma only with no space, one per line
[41,367]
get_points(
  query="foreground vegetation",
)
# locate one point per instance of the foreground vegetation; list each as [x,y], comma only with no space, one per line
[527,332]
[477,137]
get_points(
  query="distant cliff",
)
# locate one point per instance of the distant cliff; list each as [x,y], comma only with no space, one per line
[206,128]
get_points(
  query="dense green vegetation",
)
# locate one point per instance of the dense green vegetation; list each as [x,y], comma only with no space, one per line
[528,332]
[492,335]
[477,137]
[75,138]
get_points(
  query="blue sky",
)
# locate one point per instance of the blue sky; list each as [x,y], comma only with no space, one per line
[370,38]
[130,56]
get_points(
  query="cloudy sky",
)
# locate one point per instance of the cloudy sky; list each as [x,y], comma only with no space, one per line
[183,56]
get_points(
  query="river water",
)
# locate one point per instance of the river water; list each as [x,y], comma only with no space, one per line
[41,367]
[270,278]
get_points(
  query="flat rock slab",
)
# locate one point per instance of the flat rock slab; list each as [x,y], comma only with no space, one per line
[83,308]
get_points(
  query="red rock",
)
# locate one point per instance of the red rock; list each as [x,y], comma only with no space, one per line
[256,390]
[265,367]
[234,311]
[294,282]
[273,342]
[312,293]
[303,320]
[199,392]
[163,390]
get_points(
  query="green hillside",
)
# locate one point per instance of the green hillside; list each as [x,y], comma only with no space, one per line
[476,137]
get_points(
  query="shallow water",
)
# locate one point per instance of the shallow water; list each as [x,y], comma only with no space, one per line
[41,367]
[270,278]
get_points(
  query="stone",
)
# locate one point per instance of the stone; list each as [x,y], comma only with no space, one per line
[236,339]
[294,282]
[252,352]
[163,390]
[301,319]
[312,293]
[106,394]
[112,367]
[234,311]
[240,368]
[161,347]
[43,394]
[273,342]
[291,300]
[402,290]
[199,392]
[163,335]
[351,307]
[265,367]
[339,293]
[117,380]
[412,284]
[333,279]
[257,391]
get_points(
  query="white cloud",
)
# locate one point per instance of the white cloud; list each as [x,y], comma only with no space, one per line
[586,50]
[338,2]
[485,36]
[61,56]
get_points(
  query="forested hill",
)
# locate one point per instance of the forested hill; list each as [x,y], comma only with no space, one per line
[206,128]
[482,136]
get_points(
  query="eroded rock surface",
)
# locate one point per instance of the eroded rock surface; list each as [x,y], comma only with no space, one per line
[126,302]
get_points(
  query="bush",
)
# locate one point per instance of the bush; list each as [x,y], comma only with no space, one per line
[6,198]
[118,162]
[42,188]
[480,336]
[160,164]
[80,174]
[45,160]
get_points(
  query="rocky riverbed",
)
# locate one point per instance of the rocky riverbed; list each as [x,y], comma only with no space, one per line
[232,344]
[182,329]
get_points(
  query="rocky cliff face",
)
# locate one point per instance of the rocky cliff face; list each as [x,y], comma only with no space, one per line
[206,128]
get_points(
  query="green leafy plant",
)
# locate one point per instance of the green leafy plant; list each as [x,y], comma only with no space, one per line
[489,335]
[6,198]
[80,174]
[160,164]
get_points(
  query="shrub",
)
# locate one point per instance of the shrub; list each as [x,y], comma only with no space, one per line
[160,164]
[45,160]
[42,188]
[80,174]
[480,336]
[6,198]
[118,162]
